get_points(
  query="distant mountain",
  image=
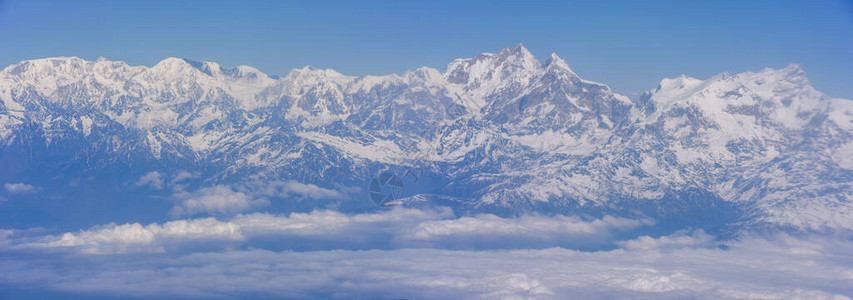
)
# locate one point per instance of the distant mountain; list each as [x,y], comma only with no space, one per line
[502,133]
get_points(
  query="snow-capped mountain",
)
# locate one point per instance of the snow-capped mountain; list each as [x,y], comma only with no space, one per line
[499,132]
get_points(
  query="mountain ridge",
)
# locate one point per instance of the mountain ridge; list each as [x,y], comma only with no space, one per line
[500,131]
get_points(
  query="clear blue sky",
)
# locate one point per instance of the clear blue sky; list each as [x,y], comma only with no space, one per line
[629,45]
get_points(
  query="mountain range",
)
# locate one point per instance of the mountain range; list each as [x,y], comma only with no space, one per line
[501,133]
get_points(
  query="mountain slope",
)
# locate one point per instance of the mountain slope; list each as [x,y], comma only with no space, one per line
[500,132]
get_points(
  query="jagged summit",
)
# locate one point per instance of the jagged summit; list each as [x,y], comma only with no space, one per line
[206,67]
[478,73]
[517,51]
[57,65]
[784,96]
[312,71]
[555,61]
[482,67]
[175,63]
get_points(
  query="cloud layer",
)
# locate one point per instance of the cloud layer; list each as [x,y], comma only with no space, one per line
[328,229]
[18,188]
[227,200]
[755,268]
[406,253]
[215,200]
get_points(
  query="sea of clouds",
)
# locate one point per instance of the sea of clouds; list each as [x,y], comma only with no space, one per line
[223,242]
[401,253]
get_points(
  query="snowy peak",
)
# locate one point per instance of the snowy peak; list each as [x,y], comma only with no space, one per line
[554,62]
[767,82]
[51,63]
[789,80]
[245,72]
[518,52]
[784,95]
[490,76]
[425,74]
[206,67]
[515,54]
[728,117]
[791,73]
[61,70]
[184,66]
[492,67]
[673,89]
[310,74]
[212,69]
[173,64]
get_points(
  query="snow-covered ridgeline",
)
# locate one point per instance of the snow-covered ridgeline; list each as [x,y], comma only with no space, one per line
[502,128]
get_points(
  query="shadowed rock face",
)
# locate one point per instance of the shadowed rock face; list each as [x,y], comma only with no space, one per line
[499,132]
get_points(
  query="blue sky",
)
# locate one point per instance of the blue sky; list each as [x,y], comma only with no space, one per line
[629,45]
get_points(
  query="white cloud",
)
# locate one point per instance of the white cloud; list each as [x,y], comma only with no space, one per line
[311,191]
[321,225]
[6,236]
[19,188]
[528,226]
[129,238]
[183,176]
[680,239]
[228,200]
[151,179]
[394,228]
[754,268]
[216,200]
[290,188]
[410,253]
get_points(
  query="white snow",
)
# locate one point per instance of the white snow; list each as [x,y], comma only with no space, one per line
[379,150]
[172,103]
